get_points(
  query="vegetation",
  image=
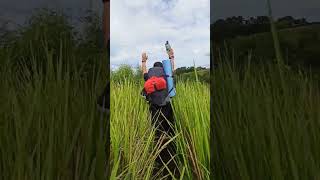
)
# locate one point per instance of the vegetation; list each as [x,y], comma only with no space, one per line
[49,124]
[265,122]
[50,128]
[299,46]
[265,118]
[232,27]
[187,74]
[299,40]
[133,149]
[265,114]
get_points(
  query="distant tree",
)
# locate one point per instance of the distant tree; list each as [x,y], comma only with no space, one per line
[90,43]
[219,22]
[48,33]
[201,68]
[180,70]
[124,73]
[45,32]
[288,19]
[93,33]
[6,36]
[263,20]
[285,22]
[301,22]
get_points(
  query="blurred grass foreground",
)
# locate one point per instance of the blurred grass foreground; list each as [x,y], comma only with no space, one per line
[265,118]
[50,78]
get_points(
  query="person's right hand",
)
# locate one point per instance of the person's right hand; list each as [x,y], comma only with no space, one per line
[144,57]
[171,54]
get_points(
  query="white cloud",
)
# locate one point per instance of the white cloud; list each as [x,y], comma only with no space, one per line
[144,25]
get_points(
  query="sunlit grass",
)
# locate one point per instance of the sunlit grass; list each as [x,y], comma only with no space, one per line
[133,149]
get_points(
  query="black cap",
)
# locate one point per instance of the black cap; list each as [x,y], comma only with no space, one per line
[158,64]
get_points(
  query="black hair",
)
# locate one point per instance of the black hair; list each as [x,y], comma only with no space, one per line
[158,64]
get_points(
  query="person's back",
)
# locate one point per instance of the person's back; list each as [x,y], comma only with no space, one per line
[155,86]
[162,115]
[158,97]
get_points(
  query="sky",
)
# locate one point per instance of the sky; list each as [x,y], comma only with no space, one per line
[309,9]
[144,26]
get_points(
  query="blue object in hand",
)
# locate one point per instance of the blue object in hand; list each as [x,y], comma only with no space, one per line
[168,72]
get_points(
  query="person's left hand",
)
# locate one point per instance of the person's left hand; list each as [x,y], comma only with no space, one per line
[144,57]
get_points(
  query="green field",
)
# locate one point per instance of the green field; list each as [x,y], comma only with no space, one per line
[202,75]
[299,46]
[265,116]
[49,123]
[132,146]
[265,122]
[265,107]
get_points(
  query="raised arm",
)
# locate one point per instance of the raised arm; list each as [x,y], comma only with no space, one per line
[171,57]
[144,63]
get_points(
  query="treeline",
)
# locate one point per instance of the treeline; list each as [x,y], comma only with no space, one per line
[232,27]
[250,39]
[182,74]
[182,70]
[201,74]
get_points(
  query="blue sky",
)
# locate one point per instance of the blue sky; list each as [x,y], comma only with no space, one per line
[145,25]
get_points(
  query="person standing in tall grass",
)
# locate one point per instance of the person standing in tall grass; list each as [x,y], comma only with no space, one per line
[162,116]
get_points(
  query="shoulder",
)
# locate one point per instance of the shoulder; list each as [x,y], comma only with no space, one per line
[145,76]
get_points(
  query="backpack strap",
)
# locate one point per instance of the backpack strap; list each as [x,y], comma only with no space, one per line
[170,91]
[168,98]
[155,87]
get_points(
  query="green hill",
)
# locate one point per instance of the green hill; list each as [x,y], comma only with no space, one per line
[300,45]
[203,75]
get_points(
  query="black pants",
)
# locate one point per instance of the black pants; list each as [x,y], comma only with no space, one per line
[163,120]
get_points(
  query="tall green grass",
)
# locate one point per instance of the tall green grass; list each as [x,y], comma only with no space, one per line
[265,120]
[132,134]
[265,123]
[49,123]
